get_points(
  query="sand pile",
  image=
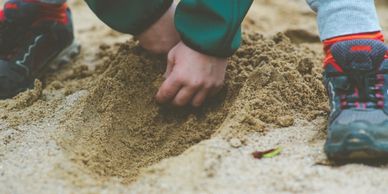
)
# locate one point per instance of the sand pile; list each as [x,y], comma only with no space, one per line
[283,82]
[117,129]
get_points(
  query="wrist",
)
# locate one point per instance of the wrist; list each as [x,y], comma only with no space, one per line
[193,49]
[161,36]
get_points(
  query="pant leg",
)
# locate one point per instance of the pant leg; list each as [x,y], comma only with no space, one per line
[343,17]
[129,16]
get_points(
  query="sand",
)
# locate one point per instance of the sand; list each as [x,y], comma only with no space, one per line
[93,126]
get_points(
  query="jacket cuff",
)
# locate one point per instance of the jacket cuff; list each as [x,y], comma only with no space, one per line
[213,50]
[211,27]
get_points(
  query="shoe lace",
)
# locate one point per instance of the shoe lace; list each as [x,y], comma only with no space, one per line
[363,91]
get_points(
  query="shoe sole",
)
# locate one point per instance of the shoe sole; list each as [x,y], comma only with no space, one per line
[357,145]
[63,58]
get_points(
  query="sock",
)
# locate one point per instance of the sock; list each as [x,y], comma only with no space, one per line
[34,11]
[329,59]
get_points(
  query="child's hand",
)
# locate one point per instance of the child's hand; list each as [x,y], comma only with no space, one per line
[191,77]
[162,35]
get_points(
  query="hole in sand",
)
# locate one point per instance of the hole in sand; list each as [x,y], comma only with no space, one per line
[118,129]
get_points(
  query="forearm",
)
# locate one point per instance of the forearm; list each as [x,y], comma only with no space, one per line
[344,17]
[129,16]
[211,26]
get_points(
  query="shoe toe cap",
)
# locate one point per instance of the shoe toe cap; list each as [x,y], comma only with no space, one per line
[11,81]
[373,123]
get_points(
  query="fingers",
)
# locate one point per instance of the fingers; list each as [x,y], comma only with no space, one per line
[184,96]
[215,91]
[190,77]
[178,94]
[170,65]
[200,98]
[168,90]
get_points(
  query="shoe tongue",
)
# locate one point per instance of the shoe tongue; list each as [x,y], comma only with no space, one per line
[359,55]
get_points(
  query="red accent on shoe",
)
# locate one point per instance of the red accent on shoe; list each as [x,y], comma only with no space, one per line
[379,94]
[54,12]
[371,35]
[10,6]
[329,59]
[2,16]
[357,94]
[361,48]
[48,11]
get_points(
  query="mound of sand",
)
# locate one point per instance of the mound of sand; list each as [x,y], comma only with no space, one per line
[118,129]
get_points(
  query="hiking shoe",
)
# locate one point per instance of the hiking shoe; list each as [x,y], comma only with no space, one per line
[31,40]
[356,78]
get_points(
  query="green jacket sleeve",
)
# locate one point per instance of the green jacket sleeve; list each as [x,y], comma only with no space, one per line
[211,26]
[129,16]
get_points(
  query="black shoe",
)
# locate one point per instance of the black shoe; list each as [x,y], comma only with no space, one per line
[29,45]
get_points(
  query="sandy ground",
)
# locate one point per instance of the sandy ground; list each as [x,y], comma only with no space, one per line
[92,126]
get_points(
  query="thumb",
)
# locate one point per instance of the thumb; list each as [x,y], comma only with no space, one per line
[170,64]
